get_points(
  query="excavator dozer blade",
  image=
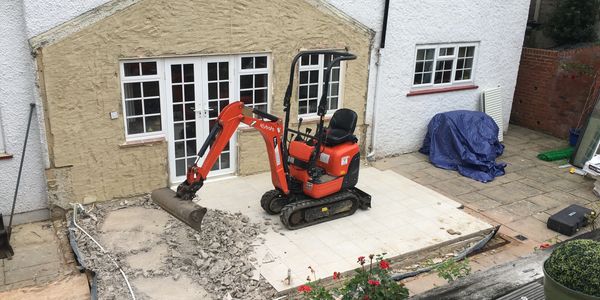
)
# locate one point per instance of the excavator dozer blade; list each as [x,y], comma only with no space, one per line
[186,211]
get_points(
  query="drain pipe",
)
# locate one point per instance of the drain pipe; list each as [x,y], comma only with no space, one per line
[371,155]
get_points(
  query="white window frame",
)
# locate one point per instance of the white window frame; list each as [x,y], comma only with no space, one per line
[437,57]
[321,68]
[144,78]
[238,72]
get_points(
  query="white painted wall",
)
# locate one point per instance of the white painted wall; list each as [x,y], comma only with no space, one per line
[42,15]
[17,90]
[499,26]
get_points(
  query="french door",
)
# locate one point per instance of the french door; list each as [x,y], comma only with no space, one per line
[197,90]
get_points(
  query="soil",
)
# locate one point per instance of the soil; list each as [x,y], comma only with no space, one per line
[164,258]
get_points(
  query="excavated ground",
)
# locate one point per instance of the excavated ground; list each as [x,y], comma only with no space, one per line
[165,259]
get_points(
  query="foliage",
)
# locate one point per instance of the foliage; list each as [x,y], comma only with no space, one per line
[576,265]
[370,282]
[592,217]
[452,270]
[573,21]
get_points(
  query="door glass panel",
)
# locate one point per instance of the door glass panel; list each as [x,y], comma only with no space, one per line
[184,116]
[218,97]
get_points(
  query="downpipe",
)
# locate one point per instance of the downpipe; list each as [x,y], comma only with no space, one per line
[371,155]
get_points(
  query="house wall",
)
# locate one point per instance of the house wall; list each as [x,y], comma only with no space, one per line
[17,90]
[82,85]
[498,26]
[553,87]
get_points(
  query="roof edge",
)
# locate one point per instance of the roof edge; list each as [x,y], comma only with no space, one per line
[79,23]
[331,9]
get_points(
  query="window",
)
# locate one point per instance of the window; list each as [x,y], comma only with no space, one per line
[142,99]
[311,84]
[444,64]
[254,81]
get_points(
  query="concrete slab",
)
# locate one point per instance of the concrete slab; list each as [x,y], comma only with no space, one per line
[405,217]
[73,287]
[168,288]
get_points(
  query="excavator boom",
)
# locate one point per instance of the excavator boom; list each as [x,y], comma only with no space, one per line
[178,203]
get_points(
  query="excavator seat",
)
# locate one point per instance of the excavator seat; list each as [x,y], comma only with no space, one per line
[341,127]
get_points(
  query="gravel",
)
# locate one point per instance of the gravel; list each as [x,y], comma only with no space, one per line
[217,259]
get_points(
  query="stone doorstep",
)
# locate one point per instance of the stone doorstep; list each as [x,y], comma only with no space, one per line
[406,260]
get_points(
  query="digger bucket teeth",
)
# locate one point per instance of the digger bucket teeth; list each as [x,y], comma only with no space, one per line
[186,211]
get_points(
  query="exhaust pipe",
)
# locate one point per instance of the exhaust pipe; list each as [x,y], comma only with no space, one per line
[186,211]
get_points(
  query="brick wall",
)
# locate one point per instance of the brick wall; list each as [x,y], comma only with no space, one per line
[552,88]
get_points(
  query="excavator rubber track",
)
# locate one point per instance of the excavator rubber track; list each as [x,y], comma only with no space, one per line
[309,212]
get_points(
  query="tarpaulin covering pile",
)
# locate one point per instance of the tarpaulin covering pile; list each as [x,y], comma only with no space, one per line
[465,141]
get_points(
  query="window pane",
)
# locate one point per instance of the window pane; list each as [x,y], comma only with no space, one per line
[313,90]
[133,107]
[458,75]
[178,112]
[470,51]
[260,80]
[175,73]
[429,54]
[189,92]
[212,91]
[334,89]
[135,125]
[152,106]
[314,59]
[224,160]
[247,63]
[189,112]
[190,130]
[224,90]
[132,90]
[149,68]
[177,93]
[131,69]
[303,93]
[302,107]
[212,71]
[188,72]
[469,63]
[418,78]
[303,77]
[151,89]
[447,51]
[246,81]
[304,60]
[191,148]
[179,149]
[190,161]
[421,54]
[314,76]
[312,106]
[213,107]
[467,74]
[419,67]
[427,78]
[153,124]
[460,63]
[260,96]
[180,168]
[246,97]
[428,66]
[260,62]
[333,103]
[335,75]
[262,107]
[178,131]
[223,70]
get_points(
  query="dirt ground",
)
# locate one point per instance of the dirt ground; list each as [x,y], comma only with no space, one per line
[156,251]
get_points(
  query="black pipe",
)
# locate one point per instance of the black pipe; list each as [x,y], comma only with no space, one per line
[385,21]
[12,211]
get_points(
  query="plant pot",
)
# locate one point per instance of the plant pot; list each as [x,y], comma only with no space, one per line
[556,291]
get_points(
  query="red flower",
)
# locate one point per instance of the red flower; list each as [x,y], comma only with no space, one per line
[361,260]
[336,275]
[384,265]
[366,298]
[304,289]
[373,282]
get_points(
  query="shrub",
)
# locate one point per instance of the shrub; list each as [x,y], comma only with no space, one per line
[573,21]
[576,265]
[370,282]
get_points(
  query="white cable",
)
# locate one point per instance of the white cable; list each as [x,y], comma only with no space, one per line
[75,205]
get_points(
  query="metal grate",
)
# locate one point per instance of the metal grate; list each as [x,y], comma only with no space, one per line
[491,104]
[532,291]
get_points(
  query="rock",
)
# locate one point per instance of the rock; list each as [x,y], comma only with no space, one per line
[453,232]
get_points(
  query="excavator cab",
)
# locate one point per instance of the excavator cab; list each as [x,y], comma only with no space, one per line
[314,176]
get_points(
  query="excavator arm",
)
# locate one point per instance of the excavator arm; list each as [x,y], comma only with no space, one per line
[271,129]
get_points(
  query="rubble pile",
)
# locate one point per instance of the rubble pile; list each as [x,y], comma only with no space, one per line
[217,259]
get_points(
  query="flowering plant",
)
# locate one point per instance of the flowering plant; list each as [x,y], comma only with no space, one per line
[372,281]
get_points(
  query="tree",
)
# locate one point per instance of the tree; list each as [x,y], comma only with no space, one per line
[573,21]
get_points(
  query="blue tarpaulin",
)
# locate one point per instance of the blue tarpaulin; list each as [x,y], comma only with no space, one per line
[465,141]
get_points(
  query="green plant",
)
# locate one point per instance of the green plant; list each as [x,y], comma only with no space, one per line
[372,282]
[576,265]
[452,270]
[573,21]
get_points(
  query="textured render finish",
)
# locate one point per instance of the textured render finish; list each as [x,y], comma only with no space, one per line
[42,15]
[82,81]
[17,87]
[499,26]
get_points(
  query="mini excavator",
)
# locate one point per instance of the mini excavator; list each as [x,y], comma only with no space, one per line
[314,176]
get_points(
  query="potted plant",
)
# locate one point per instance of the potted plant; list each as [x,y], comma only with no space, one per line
[573,271]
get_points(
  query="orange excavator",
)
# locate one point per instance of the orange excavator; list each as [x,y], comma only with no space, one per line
[314,176]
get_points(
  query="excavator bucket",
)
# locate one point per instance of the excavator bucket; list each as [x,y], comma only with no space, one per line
[186,211]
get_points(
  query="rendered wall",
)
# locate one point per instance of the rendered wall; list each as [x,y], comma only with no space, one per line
[82,84]
[499,26]
[17,90]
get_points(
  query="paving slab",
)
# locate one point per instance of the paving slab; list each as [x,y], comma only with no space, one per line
[74,287]
[405,217]
[510,192]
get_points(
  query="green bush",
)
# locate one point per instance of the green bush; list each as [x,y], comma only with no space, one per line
[576,265]
[573,21]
